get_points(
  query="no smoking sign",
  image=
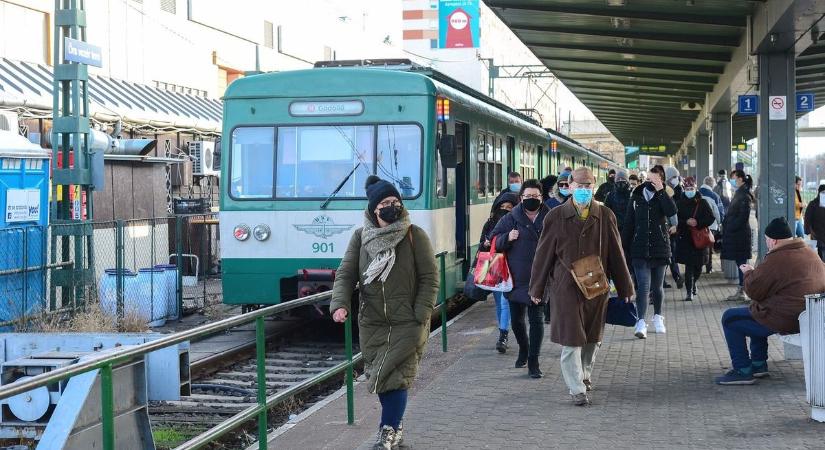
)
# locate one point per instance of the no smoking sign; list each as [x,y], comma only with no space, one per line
[778,107]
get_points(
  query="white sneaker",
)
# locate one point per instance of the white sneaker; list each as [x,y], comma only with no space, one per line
[641,329]
[659,324]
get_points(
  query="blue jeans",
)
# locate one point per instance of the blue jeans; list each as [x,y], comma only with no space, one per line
[739,262]
[393,405]
[649,280]
[799,229]
[738,324]
[502,311]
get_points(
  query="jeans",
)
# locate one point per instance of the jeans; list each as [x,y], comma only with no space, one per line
[577,366]
[393,405]
[692,274]
[502,311]
[650,280]
[799,230]
[738,324]
[739,262]
[535,315]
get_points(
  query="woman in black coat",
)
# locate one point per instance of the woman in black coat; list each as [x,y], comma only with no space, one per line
[694,212]
[647,244]
[517,234]
[736,230]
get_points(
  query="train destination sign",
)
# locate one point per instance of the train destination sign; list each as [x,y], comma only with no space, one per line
[339,108]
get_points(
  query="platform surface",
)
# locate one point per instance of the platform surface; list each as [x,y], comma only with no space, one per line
[653,393]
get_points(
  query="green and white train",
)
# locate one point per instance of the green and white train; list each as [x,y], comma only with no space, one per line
[299,145]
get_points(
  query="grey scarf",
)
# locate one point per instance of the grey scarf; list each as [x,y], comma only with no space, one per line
[380,244]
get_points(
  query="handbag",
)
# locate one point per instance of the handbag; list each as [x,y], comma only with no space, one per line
[491,272]
[588,274]
[473,292]
[702,237]
[621,313]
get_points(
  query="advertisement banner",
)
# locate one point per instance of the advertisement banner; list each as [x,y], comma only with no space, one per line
[22,205]
[458,23]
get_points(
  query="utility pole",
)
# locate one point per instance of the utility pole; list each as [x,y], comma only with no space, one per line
[71,222]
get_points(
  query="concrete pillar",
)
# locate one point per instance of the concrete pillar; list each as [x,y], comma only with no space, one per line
[721,130]
[776,140]
[690,169]
[702,157]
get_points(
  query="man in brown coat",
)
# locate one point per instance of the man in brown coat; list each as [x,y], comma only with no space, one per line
[572,231]
[777,289]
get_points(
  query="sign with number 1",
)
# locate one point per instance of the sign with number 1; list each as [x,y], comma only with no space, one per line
[748,105]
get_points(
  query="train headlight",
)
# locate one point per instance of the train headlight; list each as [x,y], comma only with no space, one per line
[261,232]
[241,232]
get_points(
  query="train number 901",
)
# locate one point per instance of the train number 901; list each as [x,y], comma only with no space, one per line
[323,247]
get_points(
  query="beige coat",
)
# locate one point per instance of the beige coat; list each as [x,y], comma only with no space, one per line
[576,321]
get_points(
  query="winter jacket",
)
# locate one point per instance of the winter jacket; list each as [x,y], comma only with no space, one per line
[521,252]
[736,229]
[617,201]
[644,234]
[496,213]
[708,193]
[604,189]
[815,221]
[393,316]
[698,208]
[566,238]
[717,220]
[777,287]
[555,200]
[506,190]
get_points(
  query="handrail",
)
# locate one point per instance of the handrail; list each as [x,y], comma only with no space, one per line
[106,362]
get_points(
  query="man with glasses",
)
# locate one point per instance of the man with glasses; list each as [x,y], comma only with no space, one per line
[562,192]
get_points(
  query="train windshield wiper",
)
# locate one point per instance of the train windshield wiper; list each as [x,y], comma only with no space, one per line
[340,185]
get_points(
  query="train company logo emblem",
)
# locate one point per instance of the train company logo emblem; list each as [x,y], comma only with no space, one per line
[323,227]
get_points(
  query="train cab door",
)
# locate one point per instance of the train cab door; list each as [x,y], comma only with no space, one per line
[462,196]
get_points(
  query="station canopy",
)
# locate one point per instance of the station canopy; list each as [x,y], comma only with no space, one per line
[643,67]
[27,88]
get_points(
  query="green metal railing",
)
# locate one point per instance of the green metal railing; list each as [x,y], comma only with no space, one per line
[106,363]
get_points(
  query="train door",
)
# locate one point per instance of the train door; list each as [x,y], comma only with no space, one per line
[462,195]
[511,154]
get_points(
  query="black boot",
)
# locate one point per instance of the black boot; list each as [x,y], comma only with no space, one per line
[689,289]
[521,361]
[501,345]
[533,367]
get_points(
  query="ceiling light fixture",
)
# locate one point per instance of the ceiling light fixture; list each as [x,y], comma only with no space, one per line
[624,42]
[616,2]
[628,56]
[620,23]
[630,68]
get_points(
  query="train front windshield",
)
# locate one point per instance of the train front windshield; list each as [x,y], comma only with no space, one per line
[311,161]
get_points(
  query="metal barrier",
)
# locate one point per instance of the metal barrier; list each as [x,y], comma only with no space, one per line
[105,364]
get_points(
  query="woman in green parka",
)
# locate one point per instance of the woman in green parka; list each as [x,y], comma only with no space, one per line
[393,262]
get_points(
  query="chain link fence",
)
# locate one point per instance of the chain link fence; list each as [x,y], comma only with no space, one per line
[146,271]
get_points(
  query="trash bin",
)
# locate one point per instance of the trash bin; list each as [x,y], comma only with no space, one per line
[24,197]
[170,275]
[151,295]
[812,335]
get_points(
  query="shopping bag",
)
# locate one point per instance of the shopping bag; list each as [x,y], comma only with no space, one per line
[473,292]
[621,313]
[491,272]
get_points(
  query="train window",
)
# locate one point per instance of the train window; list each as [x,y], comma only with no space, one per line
[253,156]
[399,157]
[482,164]
[312,160]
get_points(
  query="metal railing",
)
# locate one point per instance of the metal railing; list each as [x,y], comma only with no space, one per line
[106,363]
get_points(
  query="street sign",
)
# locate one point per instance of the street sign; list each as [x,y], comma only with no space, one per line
[777,107]
[748,105]
[804,101]
[82,52]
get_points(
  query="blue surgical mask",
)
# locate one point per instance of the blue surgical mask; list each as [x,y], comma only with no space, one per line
[690,194]
[732,183]
[515,187]
[582,196]
[564,192]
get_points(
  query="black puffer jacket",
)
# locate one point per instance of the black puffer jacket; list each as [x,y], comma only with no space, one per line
[522,251]
[697,208]
[644,234]
[736,229]
[617,201]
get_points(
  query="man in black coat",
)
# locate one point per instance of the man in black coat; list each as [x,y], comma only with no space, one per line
[619,197]
[606,187]
[815,221]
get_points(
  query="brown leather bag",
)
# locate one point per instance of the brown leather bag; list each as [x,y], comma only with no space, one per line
[589,275]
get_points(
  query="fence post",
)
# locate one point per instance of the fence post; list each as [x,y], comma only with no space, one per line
[120,248]
[179,261]
[108,404]
[442,292]
[260,350]
[349,373]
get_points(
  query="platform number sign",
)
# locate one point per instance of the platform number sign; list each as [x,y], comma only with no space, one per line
[748,105]
[804,101]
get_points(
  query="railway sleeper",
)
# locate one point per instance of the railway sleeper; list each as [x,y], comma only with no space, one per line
[269,376]
[295,369]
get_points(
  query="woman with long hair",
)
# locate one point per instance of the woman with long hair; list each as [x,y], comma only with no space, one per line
[737,239]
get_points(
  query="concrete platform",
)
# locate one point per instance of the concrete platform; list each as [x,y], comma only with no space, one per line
[653,393]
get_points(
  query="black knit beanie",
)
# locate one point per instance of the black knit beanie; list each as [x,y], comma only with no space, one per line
[377,190]
[778,229]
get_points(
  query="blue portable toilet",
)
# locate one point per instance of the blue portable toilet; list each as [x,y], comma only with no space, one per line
[24,199]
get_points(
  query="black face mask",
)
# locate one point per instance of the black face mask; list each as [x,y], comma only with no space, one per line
[531,204]
[390,214]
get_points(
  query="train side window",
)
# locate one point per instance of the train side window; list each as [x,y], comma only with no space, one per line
[481,157]
[498,163]
[252,162]
[491,165]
